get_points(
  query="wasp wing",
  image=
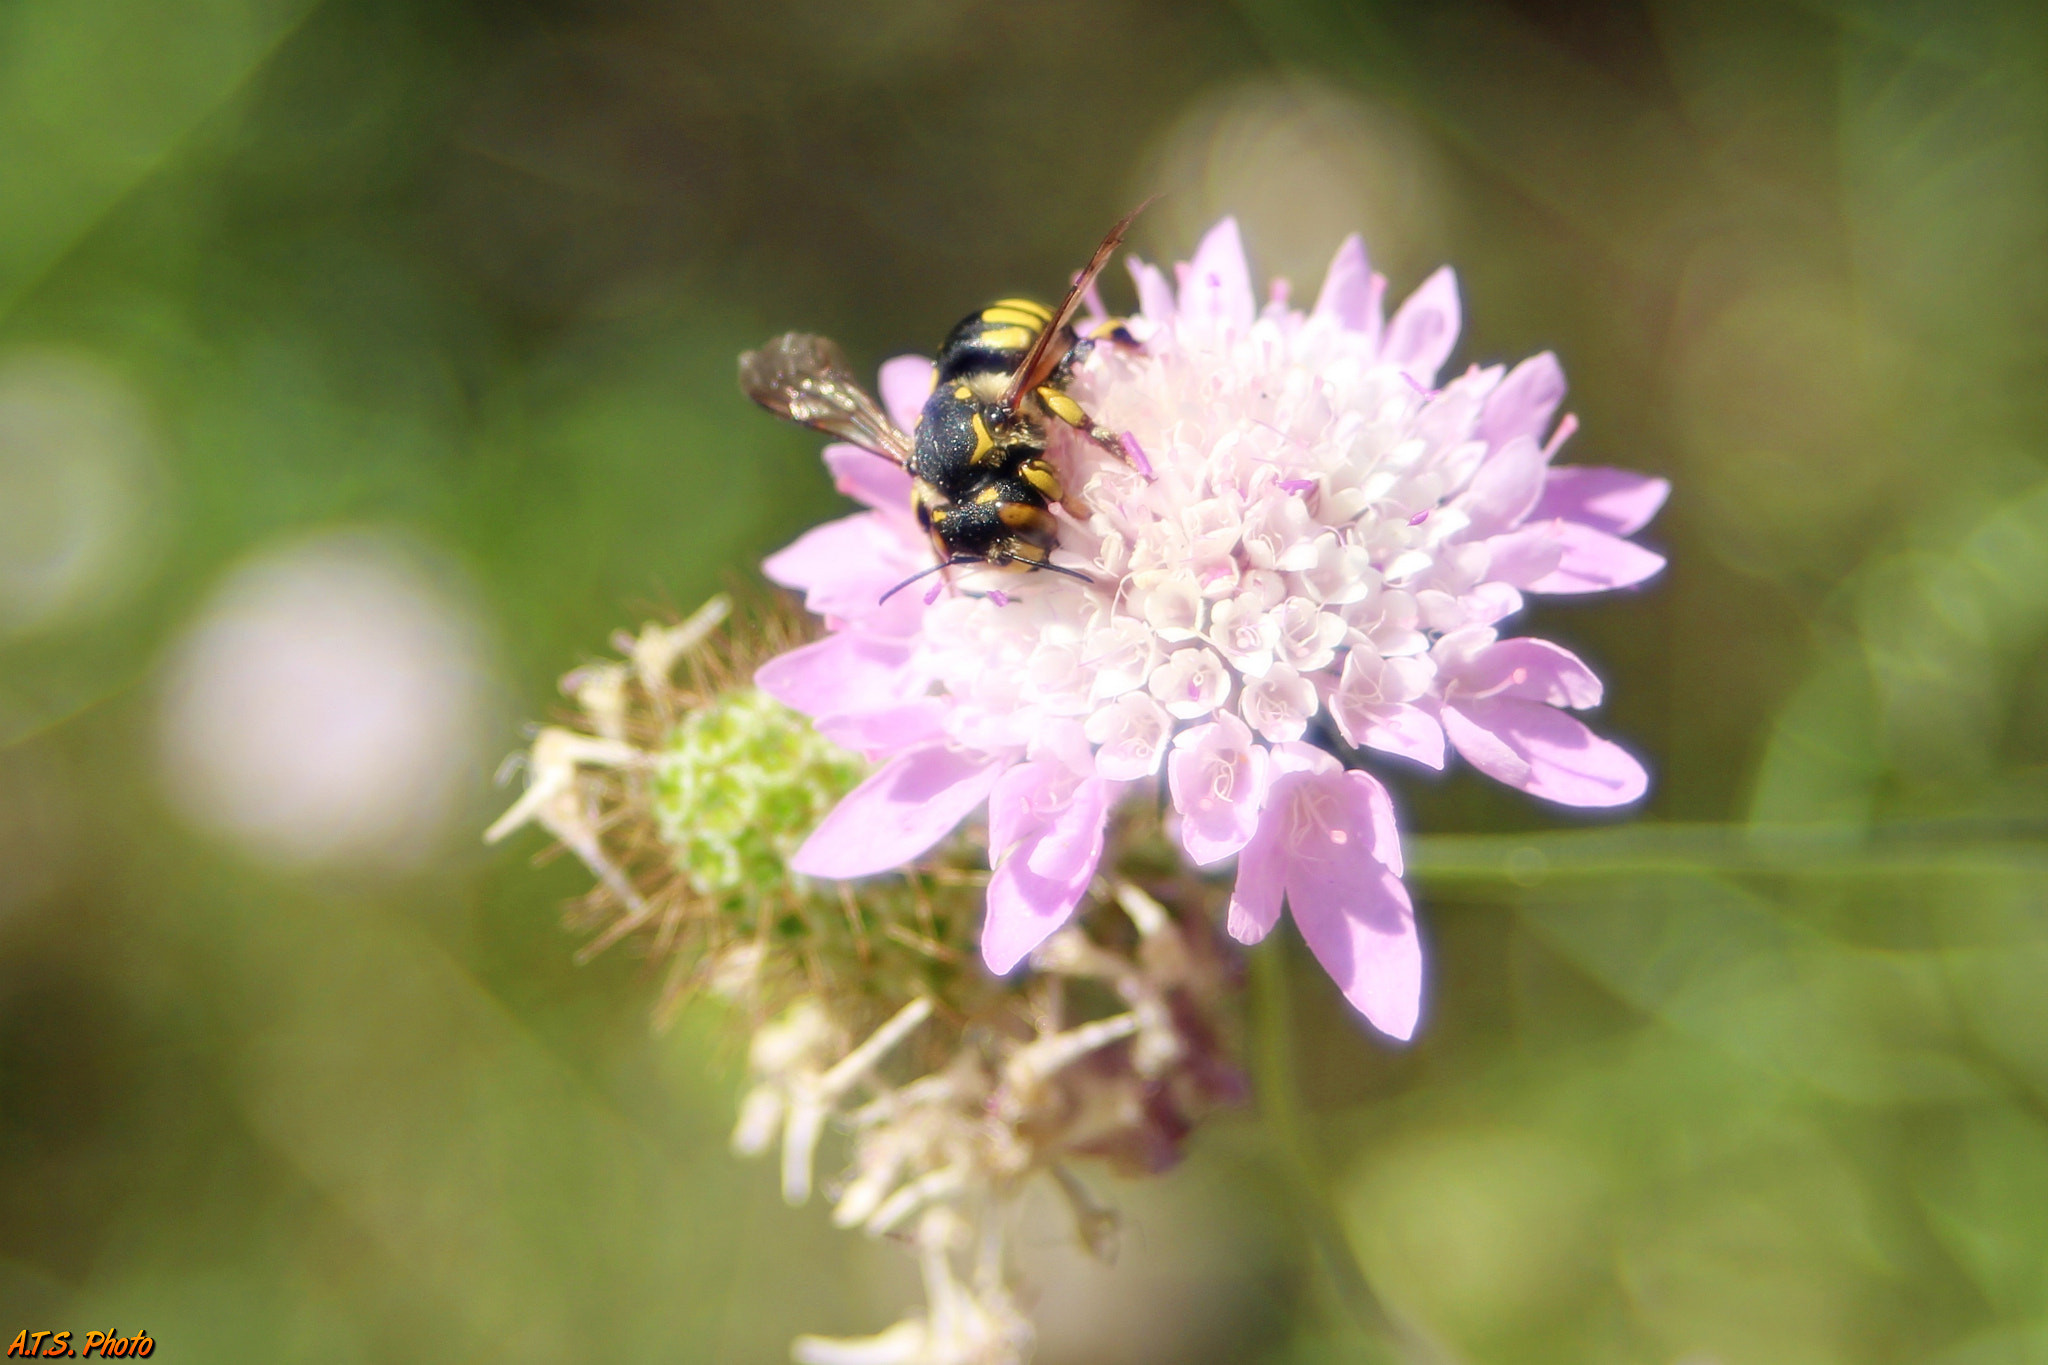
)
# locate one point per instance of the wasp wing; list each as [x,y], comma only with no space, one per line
[1045,353]
[806,379]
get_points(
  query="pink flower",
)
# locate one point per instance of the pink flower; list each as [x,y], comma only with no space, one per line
[1316,563]
[1327,843]
[1218,776]
[1045,829]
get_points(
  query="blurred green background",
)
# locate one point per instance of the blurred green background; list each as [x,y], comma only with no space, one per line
[364,363]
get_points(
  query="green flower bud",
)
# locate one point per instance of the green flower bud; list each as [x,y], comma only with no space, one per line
[737,786]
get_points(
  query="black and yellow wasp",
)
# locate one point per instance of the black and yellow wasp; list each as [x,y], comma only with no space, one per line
[981,486]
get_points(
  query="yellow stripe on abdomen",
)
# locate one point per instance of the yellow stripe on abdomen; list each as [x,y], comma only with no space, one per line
[1013,317]
[1038,311]
[1007,339]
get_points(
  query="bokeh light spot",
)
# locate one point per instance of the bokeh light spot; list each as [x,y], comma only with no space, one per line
[1301,165]
[81,489]
[326,706]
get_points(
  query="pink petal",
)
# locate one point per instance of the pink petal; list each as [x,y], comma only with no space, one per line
[1544,752]
[1049,858]
[1360,924]
[1424,331]
[1218,288]
[1491,602]
[1262,865]
[1617,501]
[1328,837]
[1393,728]
[1386,831]
[1534,670]
[1298,757]
[889,730]
[844,566]
[1351,292]
[1218,775]
[845,671]
[899,618]
[906,383]
[1069,848]
[1505,489]
[1483,749]
[1063,744]
[1014,804]
[1524,402]
[866,477]
[909,804]
[1523,557]
[1155,295]
[1593,561]
[1261,883]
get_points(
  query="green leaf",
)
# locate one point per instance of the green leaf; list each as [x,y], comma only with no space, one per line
[1718,963]
[95,95]
[1985,1198]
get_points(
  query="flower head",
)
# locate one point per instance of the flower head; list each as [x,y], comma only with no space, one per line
[736,785]
[1312,559]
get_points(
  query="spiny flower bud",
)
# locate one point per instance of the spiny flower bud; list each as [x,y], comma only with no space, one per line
[736,787]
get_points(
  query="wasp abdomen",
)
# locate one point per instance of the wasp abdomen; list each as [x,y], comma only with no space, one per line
[992,342]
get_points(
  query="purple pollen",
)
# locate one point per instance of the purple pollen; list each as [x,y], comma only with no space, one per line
[1136,453]
[999,597]
[933,595]
[1421,516]
[1298,485]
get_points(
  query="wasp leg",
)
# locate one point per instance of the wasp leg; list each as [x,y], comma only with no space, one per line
[1113,330]
[1067,410]
[1041,476]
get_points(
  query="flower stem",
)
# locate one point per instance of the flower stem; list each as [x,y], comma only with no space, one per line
[1280,1112]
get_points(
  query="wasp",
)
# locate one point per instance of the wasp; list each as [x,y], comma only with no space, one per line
[981,486]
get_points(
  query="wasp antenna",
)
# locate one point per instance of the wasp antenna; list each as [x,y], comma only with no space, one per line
[954,562]
[1058,568]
